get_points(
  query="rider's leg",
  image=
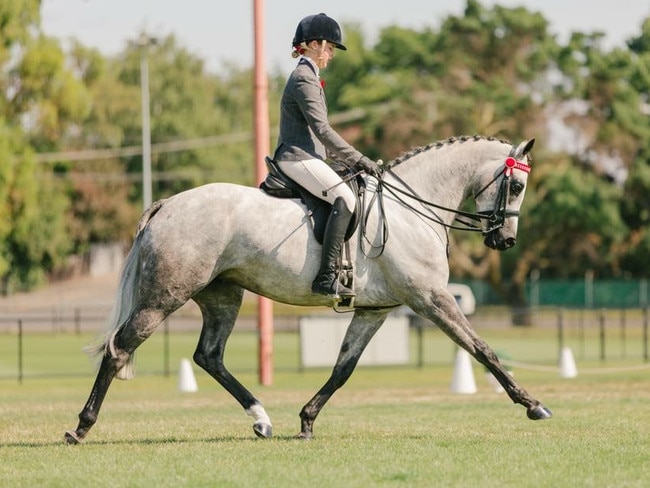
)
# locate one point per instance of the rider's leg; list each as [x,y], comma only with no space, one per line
[326,281]
[316,176]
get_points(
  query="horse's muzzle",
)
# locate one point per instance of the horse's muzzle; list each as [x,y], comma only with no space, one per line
[495,240]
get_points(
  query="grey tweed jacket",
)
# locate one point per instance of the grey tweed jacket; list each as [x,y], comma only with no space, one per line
[305,132]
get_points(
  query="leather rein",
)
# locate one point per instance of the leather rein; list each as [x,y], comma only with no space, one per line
[494,218]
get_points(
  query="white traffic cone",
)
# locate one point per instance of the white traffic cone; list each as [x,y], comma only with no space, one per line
[567,364]
[463,379]
[186,379]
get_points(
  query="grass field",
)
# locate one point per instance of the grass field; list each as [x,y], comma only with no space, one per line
[389,426]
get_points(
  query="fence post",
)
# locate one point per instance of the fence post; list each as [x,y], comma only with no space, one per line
[643,293]
[166,349]
[601,323]
[623,334]
[581,332]
[560,331]
[20,351]
[645,334]
[420,330]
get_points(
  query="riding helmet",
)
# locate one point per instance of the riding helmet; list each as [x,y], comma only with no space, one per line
[317,28]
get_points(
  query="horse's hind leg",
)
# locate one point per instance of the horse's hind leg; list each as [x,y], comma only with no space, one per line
[220,303]
[137,328]
[363,327]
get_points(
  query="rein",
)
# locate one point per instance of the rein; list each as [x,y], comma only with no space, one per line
[494,218]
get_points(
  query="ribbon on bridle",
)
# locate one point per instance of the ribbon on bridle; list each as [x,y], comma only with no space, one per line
[512,164]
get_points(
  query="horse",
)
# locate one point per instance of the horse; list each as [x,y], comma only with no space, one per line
[210,243]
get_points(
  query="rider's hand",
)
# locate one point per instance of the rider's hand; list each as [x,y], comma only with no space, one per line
[368,165]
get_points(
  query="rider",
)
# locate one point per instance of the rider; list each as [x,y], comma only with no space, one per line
[306,139]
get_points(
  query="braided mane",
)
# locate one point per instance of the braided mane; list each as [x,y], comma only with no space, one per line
[437,145]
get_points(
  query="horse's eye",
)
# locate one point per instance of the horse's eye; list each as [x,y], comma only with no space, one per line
[516,187]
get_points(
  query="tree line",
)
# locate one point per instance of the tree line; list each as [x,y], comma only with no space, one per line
[493,71]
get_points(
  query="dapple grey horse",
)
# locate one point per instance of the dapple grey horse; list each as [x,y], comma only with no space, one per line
[211,243]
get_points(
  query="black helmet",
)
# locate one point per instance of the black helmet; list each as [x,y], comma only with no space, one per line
[317,28]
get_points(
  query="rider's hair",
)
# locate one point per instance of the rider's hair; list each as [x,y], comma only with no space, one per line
[300,49]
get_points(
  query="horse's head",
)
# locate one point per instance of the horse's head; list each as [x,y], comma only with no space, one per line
[499,194]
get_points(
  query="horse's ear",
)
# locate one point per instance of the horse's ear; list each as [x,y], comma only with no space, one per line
[522,149]
[528,145]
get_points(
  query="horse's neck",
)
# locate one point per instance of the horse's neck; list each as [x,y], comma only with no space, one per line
[442,174]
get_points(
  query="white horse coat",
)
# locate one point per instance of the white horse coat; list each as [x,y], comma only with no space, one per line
[211,243]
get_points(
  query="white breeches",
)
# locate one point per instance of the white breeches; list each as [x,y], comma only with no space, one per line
[315,176]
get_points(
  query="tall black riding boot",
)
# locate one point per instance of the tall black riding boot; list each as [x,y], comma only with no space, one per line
[327,282]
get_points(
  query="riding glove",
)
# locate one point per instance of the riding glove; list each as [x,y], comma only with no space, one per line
[368,165]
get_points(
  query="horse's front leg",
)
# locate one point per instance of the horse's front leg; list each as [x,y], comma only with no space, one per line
[364,325]
[445,313]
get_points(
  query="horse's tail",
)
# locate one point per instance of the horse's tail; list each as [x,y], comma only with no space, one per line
[123,304]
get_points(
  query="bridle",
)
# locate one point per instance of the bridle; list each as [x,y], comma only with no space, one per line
[494,219]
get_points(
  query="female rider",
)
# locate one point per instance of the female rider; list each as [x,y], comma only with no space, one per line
[306,140]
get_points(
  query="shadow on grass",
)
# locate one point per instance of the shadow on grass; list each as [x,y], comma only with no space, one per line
[148,442]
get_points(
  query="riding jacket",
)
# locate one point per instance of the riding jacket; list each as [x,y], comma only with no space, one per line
[305,132]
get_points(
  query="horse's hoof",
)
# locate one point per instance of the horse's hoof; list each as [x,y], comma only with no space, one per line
[304,436]
[539,412]
[264,431]
[71,438]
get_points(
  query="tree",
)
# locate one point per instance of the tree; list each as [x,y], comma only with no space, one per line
[40,103]
[186,103]
[571,223]
[34,239]
[492,71]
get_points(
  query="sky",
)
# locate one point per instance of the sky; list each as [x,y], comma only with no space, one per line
[221,31]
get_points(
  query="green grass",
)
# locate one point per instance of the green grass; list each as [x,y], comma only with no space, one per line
[386,427]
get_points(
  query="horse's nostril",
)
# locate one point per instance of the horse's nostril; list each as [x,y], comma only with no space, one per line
[511,241]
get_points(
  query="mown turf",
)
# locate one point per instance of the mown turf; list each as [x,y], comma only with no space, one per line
[386,427]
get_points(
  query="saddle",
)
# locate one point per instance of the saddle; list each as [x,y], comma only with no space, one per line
[279,185]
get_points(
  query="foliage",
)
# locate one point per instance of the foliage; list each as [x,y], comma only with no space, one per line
[491,70]
[32,232]
[591,223]
[43,103]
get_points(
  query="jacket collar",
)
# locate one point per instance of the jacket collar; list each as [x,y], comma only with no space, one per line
[309,62]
